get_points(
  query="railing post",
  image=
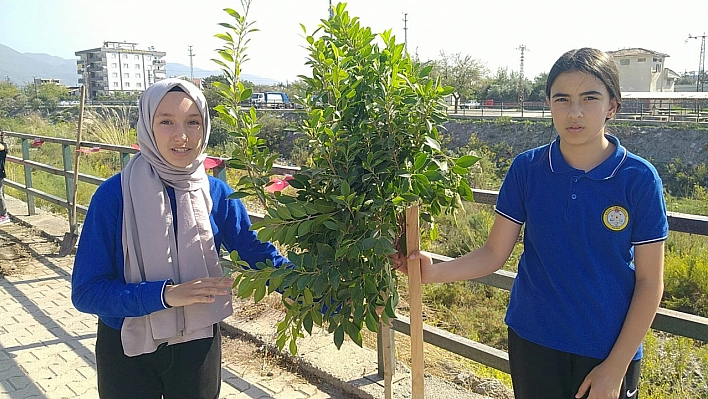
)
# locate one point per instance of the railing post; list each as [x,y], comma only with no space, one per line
[68,177]
[385,345]
[28,177]
[124,159]
[220,172]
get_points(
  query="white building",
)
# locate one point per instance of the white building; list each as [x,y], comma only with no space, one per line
[119,67]
[643,70]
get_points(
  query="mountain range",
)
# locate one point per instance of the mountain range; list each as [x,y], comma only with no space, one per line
[21,68]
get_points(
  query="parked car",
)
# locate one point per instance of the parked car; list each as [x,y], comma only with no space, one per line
[470,104]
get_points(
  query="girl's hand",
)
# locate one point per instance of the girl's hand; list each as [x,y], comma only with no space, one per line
[202,290]
[602,383]
[400,263]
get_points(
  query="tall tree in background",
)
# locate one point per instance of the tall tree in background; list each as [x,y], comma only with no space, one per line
[537,91]
[464,74]
[503,86]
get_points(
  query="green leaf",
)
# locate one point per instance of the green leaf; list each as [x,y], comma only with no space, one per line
[354,332]
[339,336]
[434,232]
[389,308]
[432,143]
[238,195]
[307,323]
[466,161]
[284,213]
[304,228]
[368,243]
[433,175]
[235,257]
[420,160]
[245,288]
[293,347]
[345,189]
[371,322]
[296,210]
[325,250]
[260,293]
[331,225]
[281,340]
[410,197]
[246,94]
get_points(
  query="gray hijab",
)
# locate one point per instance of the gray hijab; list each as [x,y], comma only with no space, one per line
[153,250]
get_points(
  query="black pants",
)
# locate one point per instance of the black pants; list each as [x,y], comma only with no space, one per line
[191,370]
[538,372]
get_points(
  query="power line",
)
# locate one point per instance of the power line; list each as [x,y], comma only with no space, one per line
[405,32]
[191,65]
[701,61]
[523,48]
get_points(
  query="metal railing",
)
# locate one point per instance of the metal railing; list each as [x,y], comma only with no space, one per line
[670,321]
[677,111]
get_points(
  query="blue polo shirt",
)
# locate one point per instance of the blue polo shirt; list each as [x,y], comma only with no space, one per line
[576,275]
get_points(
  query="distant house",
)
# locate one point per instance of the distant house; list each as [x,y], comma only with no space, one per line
[41,81]
[119,67]
[643,70]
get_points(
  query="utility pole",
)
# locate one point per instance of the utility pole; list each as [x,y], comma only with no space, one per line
[331,11]
[405,32]
[191,67]
[521,73]
[701,61]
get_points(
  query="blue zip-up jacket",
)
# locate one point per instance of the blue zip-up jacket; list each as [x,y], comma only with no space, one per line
[97,282]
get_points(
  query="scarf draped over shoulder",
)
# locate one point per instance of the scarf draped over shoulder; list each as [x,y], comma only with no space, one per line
[159,245]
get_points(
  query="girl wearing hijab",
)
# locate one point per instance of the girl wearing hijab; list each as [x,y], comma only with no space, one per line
[147,263]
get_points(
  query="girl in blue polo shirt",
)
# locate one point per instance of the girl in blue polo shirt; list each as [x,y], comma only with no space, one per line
[590,278]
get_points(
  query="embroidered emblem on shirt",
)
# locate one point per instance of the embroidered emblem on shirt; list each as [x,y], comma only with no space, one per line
[615,218]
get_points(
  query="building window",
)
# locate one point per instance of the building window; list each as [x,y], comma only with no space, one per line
[114,65]
[113,55]
[126,75]
[127,84]
[137,57]
[137,66]
[624,62]
[139,76]
[125,56]
[642,60]
[139,84]
[126,66]
[658,59]
[115,74]
[115,84]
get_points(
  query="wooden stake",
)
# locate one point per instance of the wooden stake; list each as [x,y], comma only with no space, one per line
[415,301]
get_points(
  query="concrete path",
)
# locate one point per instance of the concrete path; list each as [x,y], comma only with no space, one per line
[47,346]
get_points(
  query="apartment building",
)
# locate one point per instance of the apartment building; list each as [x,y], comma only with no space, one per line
[643,70]
[119,67]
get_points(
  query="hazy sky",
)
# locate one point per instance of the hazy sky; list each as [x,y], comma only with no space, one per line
[491,31]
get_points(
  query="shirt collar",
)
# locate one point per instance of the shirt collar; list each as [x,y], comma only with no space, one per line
[606,170]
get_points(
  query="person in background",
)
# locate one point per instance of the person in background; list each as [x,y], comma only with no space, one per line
[147,262]
[4,216]
[590,277]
